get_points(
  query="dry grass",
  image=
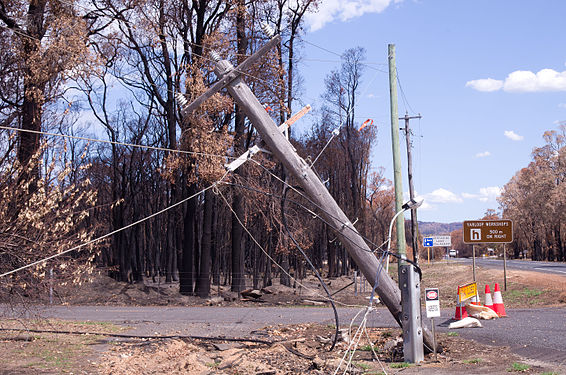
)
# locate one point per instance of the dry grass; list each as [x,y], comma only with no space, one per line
[27,352]
[524,289]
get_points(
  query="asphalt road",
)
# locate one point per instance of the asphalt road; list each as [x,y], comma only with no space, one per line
[533,333]
[557,268]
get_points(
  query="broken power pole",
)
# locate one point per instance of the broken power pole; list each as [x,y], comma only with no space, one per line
[284,151]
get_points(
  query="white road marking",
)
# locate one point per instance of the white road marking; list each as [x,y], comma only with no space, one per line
[547,270]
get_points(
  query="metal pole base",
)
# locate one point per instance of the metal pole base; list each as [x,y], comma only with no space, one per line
[411,319]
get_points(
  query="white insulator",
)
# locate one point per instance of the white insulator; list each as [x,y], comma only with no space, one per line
[181,100]
[267,30]
[215,56]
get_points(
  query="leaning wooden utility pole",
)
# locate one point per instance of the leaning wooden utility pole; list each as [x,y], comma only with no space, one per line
[414,221]
[408,277]
[284,151]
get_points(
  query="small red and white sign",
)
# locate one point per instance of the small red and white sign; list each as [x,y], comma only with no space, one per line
[432,295]
[432,302]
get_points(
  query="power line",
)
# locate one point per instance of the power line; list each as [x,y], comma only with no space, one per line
[78,247]
[317,274]
[308,210]
[116,143]
[143,337]
[254,77]
[369,65]
[217,191]
[403,93]
[335,133]
[344,225]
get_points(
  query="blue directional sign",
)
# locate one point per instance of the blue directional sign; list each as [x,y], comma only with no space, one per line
[428,242]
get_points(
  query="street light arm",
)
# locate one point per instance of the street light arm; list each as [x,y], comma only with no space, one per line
[391,227]
[412,204]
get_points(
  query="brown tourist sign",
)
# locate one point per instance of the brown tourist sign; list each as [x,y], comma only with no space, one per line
[488,231]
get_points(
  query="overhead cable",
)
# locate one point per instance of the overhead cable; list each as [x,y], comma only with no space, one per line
[317,274]
[265,251]
[80,246]
[116,143]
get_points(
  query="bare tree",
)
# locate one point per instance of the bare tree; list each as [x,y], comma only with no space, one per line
[46,40]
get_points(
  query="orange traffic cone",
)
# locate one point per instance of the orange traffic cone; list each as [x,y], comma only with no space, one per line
[461,312]
[475,300]
[488,299]
[498,306]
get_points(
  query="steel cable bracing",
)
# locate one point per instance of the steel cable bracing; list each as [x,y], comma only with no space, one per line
[78,247]
[335,133]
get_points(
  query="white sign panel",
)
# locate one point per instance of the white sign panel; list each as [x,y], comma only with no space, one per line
[440,241]
[432,302]
[445,241]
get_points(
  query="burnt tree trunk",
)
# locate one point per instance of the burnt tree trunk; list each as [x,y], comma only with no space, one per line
[186,278]
[203,280]
[34,87]
[238,281]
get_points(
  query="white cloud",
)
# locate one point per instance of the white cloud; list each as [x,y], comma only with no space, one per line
[491,191]
[426,206]
[485,85]
[513,136]
[441,195]
[483,154]
[562,105]
[544,80]
[485,194]
[344,10]
[523,81]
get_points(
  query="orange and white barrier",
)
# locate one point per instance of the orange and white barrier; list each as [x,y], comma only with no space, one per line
[475,300]
[461,312]
[498,306]
[488,299]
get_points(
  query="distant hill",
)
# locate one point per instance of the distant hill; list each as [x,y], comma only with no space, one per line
[431,228]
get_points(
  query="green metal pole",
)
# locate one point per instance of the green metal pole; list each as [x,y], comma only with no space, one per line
[397,176]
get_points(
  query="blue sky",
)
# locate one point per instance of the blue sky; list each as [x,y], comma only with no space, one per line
[488,77]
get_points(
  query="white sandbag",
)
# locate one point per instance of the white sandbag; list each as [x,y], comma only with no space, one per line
[481,312]
[465,323]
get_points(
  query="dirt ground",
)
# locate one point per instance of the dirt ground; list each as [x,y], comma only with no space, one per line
[302,350]
[292,349]
[297,349]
